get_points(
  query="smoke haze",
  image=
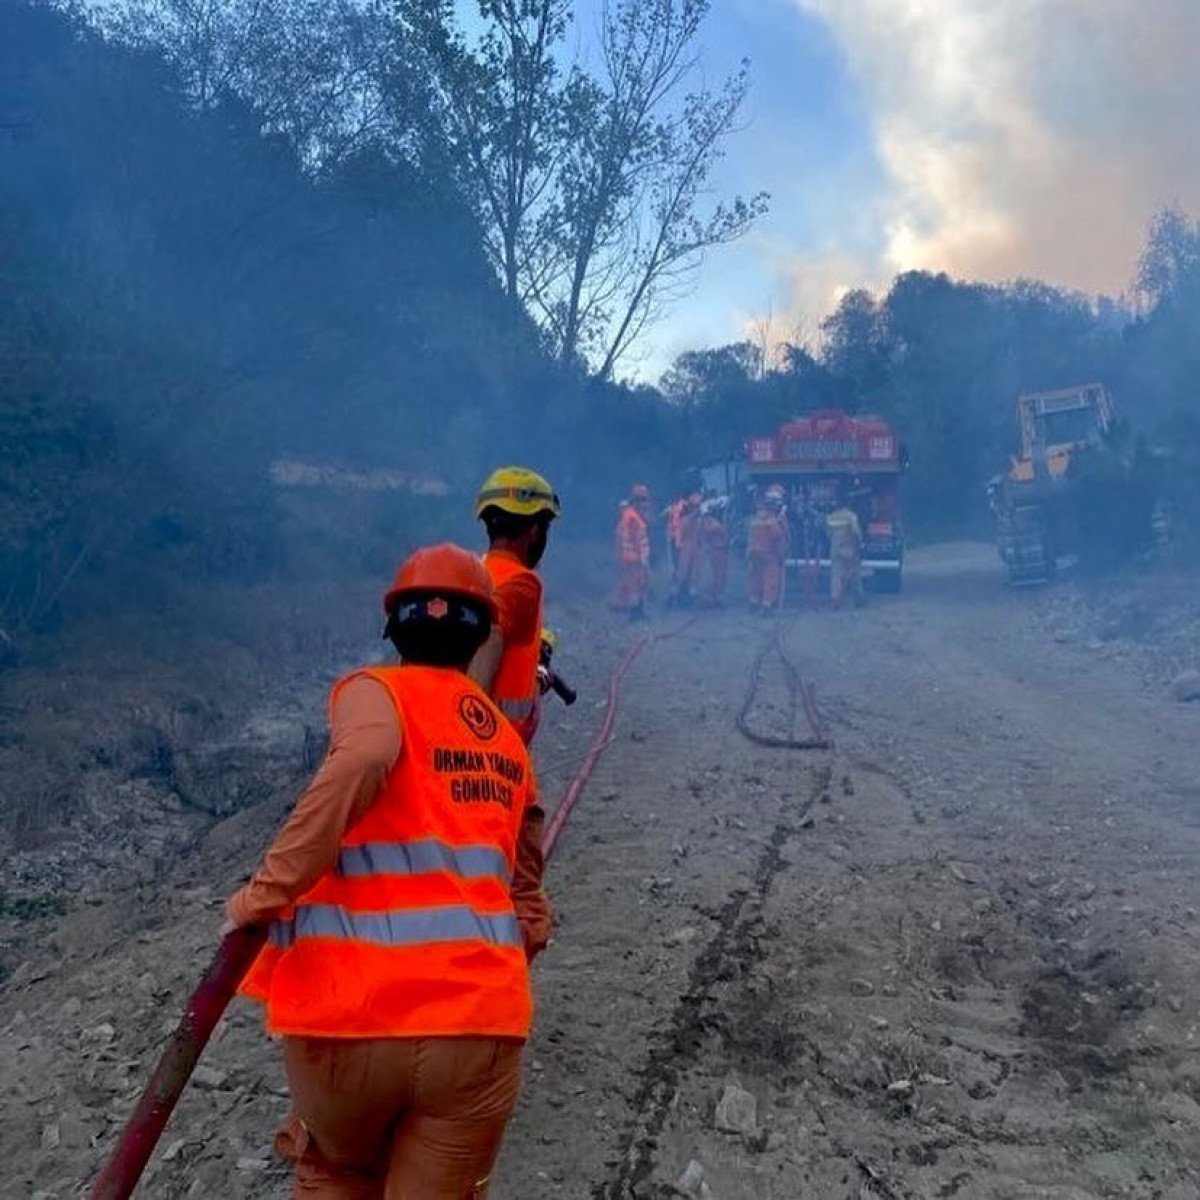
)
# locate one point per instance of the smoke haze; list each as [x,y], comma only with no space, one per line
[1022,138]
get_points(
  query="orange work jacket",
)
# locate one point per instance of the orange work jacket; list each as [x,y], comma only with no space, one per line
[766,536]
[633,538]
[515,688]
[412,932]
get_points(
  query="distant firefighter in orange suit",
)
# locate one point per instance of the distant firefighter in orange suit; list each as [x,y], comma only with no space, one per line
[714,549]
[633,554]
[687,557]
[766,550]
[674,516]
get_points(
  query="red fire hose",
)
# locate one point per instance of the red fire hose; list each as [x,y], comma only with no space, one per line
[204,1008]
[602,738]
[233,959]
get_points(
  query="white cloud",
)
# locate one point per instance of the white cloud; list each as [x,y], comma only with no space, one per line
[1024,137]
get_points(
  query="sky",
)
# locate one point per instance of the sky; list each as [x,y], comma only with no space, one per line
[991,139]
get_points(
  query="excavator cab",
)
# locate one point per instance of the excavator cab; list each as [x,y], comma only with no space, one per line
[1055,426]
[1034,500]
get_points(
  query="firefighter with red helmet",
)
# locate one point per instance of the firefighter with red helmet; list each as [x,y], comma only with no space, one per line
[404,901]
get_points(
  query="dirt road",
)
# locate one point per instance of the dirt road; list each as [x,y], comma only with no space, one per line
[955,956]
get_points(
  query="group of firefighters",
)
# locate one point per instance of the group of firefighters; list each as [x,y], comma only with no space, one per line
[403,897]
[698,541]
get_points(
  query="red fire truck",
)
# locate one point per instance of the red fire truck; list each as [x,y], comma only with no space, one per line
[820,458]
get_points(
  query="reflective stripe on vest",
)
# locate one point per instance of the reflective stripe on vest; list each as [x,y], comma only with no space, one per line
[404,927]
[423,858]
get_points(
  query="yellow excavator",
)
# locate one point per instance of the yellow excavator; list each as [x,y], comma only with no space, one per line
[1036,501]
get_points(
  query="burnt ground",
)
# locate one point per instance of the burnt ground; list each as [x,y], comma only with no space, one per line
[954,956]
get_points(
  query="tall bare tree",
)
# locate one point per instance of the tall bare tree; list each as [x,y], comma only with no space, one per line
[593,184]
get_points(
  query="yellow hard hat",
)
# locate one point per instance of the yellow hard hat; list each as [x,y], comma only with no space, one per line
[550,640]
[519,491]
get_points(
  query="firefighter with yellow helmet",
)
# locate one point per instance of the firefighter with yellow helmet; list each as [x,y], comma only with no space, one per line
[517,507]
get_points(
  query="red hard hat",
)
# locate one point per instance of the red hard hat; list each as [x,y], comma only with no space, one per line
[445,570]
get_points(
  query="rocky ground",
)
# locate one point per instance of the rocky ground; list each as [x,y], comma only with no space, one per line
[956,955]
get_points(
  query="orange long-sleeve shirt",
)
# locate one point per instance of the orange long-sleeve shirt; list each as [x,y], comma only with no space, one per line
[365,742]
[767,536]
[633,538]
[519,599]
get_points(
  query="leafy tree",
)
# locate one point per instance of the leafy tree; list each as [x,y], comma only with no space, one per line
[503,100]
[1160,361]
[855,348]
[314,71]
[1169,268]
[185,301]
[724,395]
[590,185]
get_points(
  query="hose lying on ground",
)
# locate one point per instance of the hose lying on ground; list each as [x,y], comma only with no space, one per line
[603,737]
[797,690]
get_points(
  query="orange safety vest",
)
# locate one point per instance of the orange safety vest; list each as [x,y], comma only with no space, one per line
[515,688]
[766,536]
[633,539]
[412,933]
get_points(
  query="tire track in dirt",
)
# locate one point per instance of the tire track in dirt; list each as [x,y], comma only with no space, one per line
[672,827]
[733,951]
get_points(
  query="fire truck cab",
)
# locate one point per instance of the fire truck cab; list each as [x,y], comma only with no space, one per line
[824,459]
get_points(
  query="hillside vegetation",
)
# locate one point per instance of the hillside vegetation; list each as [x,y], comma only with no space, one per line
[200,285]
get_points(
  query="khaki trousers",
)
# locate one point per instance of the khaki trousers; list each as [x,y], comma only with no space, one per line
[845,578]
[397,1118]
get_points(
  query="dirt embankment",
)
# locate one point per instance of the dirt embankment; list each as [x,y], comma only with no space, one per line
[119,756]
[956,956]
